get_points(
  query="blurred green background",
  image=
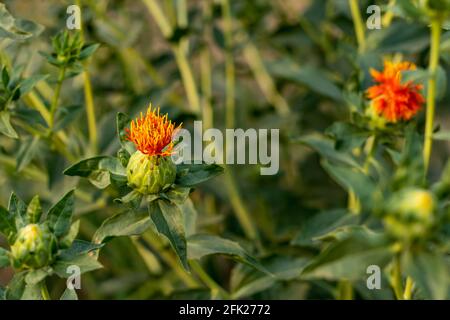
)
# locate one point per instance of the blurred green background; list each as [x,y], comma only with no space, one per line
[282,64]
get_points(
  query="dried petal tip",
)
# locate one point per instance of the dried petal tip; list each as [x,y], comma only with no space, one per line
[152,133]
[391,98]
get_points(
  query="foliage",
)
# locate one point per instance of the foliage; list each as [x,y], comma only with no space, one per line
[355,188]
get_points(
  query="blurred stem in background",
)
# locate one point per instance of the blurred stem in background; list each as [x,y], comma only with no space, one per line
[436,24]
[180,56]
[55,100]
[345,290]
[230,104]
[359,25]
[88,96]
[205,68]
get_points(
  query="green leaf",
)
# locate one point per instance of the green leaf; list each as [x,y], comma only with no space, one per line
[430,271]
[35,276]
[190,217]
[29,83]
[69,294]
[4,258]
[5,125]
[32,292]
[309,76]
[349,257]
[201,245]
[99,170]
[2,293]
[7,223]
[322,223]
[85,262]
[16,29]
[27,152]
[168,219]
[67,240]
[192,175]
[133,199]
[16,286]
[18,209]
[326,148]
[347,136]
[88,50]
[177,195]
[245,282]
[122,122]
[77,248]
[66,115]
[352,180]
[126,223]
[34,210]
[60,215]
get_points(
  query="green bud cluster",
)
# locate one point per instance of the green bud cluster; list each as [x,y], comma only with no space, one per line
[150,174]
[34,247]
[410,214]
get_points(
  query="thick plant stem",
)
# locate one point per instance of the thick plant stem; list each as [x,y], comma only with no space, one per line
[370,150]
[215,288]
[44,291]
[359,25]
[187,75]
[89,101]
[90,111]
[345,290]
[54,105]
[409,286]
[431,93]
[397,284]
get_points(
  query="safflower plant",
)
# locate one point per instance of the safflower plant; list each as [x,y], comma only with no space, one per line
[364,179]
[42,245]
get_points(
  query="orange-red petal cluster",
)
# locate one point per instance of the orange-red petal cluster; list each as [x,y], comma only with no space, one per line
[391,98]
[152,133]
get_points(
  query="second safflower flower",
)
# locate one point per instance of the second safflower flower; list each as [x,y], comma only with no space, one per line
[390,97]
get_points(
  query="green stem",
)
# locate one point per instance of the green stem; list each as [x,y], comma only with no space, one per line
[397,283]
[230,105]
[44,291]
[208,281]
[54,105]
[431,94]
[370,150]
[205,69]
[359,25]
[345,290]
[89,101]
[409,286]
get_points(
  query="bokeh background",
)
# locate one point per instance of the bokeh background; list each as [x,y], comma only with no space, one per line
[282,64]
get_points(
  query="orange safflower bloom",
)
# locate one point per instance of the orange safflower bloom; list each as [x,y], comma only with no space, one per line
[390,97]
[152,133]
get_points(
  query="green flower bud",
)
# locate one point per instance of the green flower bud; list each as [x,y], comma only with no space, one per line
[150,174]
[410,214]
[33,248]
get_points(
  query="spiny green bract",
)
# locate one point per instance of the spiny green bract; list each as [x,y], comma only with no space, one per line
[34,247]
[150,174]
